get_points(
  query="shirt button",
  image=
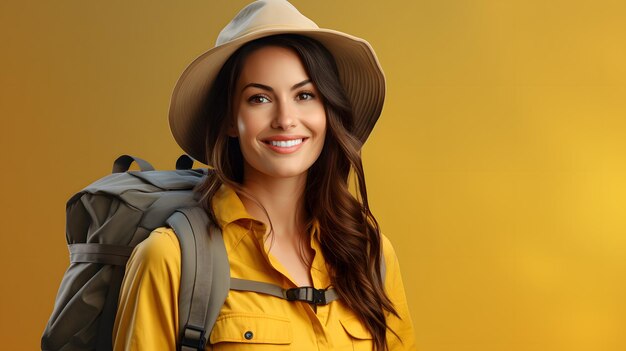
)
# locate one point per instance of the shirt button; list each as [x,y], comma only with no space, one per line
[248,335]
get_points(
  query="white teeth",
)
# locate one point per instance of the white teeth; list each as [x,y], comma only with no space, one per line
[286,143]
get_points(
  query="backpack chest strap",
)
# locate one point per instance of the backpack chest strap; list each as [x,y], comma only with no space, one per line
[306,294]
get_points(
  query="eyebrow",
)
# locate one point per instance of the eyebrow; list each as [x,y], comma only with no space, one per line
[270,89]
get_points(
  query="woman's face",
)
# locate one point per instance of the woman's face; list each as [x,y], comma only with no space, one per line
[279,115]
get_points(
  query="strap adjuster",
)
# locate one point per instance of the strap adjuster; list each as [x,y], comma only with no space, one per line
[307,294]
[194,337]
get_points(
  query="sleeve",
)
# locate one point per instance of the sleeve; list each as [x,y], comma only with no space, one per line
[402,326]
[147,314]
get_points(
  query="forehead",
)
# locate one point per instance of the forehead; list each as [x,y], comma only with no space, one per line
[272,65]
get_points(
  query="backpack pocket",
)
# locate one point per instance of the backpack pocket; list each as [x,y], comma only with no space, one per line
[239,329]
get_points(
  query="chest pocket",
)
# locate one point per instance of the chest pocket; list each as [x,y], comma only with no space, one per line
[360,337]
[244,331]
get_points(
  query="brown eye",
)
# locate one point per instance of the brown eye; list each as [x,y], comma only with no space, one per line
[305,95]
[258,99]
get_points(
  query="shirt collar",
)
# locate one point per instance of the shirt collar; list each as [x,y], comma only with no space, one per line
[228,208]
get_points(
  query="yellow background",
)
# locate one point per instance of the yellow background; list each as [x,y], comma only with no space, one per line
[498,168]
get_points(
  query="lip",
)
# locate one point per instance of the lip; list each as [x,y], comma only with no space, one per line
[284,150]
[284,137]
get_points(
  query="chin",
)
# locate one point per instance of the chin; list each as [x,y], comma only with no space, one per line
[286,172]
[278,168]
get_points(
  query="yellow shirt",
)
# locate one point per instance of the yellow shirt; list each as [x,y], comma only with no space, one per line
[147,317]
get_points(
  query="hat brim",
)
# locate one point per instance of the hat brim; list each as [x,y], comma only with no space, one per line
[359,72]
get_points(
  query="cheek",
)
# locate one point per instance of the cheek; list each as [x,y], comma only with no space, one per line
[246,126]
[243,122]
[319,125]
[241,126]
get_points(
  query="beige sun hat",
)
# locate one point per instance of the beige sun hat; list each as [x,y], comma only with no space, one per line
[359,70]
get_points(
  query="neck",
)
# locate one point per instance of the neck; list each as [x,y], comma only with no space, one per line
[282,198]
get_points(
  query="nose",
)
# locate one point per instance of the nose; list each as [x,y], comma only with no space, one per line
[285,116]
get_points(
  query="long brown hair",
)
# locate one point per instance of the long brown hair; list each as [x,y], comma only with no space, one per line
[349,234]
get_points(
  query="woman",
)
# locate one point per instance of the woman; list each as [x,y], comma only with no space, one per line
[280,109]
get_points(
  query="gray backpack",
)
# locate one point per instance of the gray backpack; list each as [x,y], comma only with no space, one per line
[107,219]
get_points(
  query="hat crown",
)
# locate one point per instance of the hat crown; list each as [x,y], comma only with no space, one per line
[264,15]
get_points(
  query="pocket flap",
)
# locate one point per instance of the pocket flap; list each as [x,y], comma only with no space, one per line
[355,328]
[252,328]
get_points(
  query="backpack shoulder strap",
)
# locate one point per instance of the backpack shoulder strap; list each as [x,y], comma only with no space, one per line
[202,255]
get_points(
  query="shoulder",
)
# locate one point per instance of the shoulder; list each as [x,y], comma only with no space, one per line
[401,324]
[159,248]
[389,253]
[391,268]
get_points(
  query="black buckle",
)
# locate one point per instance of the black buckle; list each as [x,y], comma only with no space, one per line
[307,294]
[195,341]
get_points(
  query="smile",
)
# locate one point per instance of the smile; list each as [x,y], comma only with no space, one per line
[283,145]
